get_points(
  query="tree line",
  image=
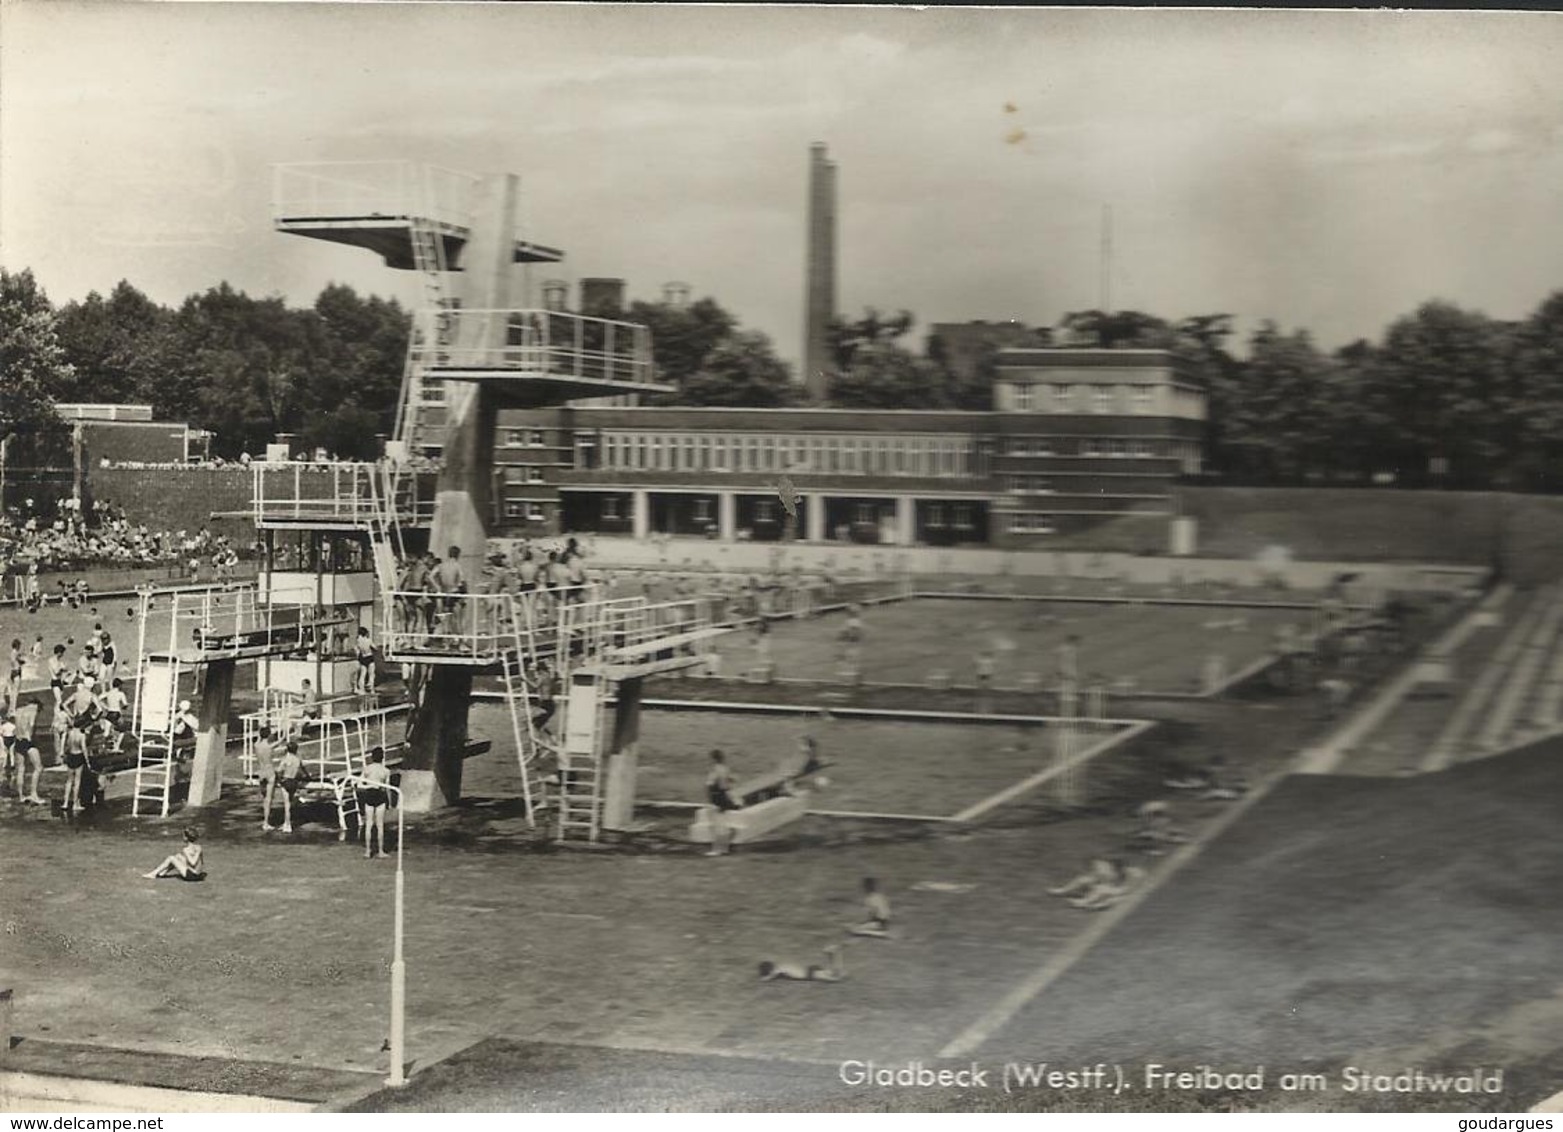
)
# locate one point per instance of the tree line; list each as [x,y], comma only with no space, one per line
[1446,396]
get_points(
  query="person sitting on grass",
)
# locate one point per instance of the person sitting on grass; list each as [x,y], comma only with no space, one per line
[187,864]
[373,798]
[877,926]
[771,970]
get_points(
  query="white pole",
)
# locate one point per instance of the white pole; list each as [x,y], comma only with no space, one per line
[398,1076]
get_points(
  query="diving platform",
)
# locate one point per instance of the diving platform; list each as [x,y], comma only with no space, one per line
[530,358]
[338,496]
[382,206]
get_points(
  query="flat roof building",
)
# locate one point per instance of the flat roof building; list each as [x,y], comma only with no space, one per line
[1077,438]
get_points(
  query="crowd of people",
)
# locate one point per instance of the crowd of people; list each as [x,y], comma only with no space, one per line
[34,546]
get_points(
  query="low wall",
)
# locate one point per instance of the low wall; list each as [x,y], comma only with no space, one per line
[173,499]
[841,558]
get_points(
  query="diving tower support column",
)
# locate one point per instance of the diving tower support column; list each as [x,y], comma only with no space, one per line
[211,738]
[437,743]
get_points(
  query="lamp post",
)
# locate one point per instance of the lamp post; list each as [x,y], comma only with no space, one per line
[398,1076]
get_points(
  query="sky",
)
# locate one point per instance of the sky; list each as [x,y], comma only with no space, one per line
[1328,170]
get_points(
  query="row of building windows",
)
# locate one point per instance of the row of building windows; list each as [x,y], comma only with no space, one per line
[959,515]
[861,455]
[1085,446]
[1030,523]
[523,473]
[523,438]
[1055,397]
[533,512]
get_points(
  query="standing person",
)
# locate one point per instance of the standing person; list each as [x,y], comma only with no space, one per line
[373,799]
[75,764]
[57,669]
[554,576]
[1069,659]
[363,677]
[289,776]
[268,752]
[719,783]
[545,687]
[413,581]
[575,574]
[187,864]
[108,658]
[10,755]
[526,572]
[34,762]
[114,701]
[450,579]
[90,668]
[13,678]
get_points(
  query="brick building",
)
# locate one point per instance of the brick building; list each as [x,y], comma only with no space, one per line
[1077,437]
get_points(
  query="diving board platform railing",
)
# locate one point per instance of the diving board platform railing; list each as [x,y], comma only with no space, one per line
[209,623]
[595,355]
[346,496]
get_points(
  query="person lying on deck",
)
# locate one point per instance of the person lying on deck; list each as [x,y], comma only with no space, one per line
[1103,884]
[1157,830]
[772,970]
[1214,781]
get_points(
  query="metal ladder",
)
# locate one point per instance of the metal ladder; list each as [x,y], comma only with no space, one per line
[419,393]
[580,757]
[154,729]
[529,745]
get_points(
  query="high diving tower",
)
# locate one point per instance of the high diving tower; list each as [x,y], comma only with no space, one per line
[474,350]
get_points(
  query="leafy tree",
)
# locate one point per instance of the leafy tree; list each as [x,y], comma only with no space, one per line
[111,344]
[682,337]
[349,432]
[1536,362]
[873,329]
[1440,377]
[1117,329]
[1279,415]
[33,368]
[741,370]
[885,376]
[366,343]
